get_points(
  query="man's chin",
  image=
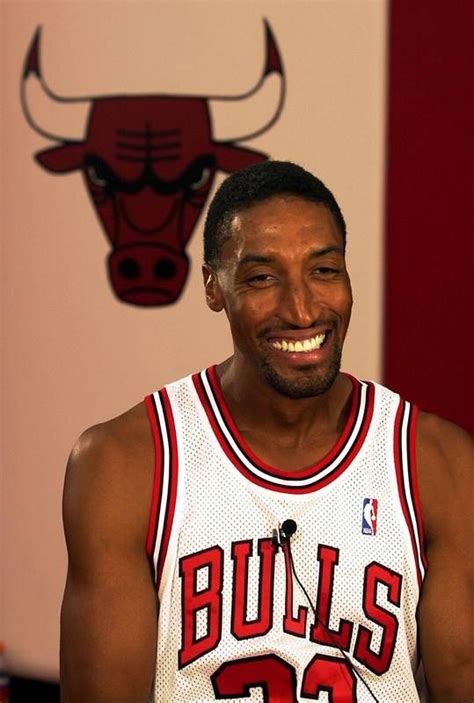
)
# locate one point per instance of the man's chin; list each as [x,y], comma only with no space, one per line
[308,381]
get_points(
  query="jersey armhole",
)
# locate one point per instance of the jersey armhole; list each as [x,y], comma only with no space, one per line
[405,465]
[157,482]
[163,503]
[412,432]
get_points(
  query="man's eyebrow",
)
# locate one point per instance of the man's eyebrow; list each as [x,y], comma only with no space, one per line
[326,250]
[256,259]
[263,259]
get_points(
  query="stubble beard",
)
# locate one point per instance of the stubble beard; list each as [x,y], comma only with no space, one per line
[310,381]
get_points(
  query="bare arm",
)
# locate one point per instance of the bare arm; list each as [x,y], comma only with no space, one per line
[445,459]
[109,612]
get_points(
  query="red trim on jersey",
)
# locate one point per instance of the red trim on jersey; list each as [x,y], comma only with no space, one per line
[173,482]
[292,480]
[398,457]
[157,478]
[414,483]
[164,492]
[266,467]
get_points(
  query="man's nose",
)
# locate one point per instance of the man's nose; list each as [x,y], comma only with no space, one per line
[299,304]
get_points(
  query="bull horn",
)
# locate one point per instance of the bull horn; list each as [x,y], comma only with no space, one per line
[255,111]
[61,119]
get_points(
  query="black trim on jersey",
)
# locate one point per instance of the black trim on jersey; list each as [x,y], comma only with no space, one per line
[411,461]
[170,464]
[356,388]
[151,554]
[408,492]
[172,477]
[361,414]
[164,501]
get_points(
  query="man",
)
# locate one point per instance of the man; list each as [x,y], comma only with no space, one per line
[268,476]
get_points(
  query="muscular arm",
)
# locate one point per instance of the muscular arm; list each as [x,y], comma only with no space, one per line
[445,459]
[109,612]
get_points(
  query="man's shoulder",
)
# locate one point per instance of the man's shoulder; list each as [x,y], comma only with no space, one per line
[435,434]
[120,440]
[444,458]
[441,438]
[113,459]
[117,438]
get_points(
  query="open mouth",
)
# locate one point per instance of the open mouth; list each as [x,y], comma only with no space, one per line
[301,346]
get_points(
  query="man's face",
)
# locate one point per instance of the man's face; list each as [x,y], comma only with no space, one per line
[283,283]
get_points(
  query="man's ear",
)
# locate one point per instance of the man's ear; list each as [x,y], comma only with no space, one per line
[214,295]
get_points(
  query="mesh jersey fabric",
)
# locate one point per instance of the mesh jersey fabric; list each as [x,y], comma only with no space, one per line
[233,623]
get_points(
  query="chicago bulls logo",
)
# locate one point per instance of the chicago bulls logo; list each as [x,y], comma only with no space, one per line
[149,162]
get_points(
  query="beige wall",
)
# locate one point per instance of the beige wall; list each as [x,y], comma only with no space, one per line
[73,354]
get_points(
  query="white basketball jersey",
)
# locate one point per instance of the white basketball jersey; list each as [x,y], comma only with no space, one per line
[234,622]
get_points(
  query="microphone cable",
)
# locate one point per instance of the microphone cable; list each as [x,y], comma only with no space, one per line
[289,528]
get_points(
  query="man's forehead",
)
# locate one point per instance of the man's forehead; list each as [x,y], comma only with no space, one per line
[265,223]
[279,208]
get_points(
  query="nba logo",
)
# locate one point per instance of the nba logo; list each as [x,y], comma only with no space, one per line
[369,516]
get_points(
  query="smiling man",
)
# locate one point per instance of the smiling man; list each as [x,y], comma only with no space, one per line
[307,535]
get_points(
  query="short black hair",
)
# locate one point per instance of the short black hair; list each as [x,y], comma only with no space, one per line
[254,184]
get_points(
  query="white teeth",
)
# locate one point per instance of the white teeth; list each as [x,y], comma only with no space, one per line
[304,346]
[319,339]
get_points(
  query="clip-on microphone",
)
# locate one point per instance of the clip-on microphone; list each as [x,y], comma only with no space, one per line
[283,534]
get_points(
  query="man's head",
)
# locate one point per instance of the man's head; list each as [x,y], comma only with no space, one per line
[253,185]
[274,261]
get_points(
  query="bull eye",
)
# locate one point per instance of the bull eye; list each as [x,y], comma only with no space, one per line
[96,176]
[203,178]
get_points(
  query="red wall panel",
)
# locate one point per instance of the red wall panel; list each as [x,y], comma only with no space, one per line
[428,307]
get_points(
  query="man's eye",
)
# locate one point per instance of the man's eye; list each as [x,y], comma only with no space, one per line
[326,270]
[260,279]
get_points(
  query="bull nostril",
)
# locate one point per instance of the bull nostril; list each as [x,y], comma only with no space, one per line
[165,268]
[129,268]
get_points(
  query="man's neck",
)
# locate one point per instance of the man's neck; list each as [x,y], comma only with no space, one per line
[257,407]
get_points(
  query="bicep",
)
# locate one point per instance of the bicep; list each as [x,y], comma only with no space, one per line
[108,635]
[109,611]
[445,460]
[445,623]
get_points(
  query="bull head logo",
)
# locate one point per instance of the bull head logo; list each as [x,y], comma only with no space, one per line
[149,162]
